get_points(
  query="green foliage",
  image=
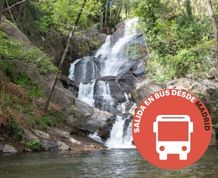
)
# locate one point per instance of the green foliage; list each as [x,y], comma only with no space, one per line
[33,145]
[24,81]
[39,58]
[179,42]
[30,24]
[61,14]
[13,49]
[51,119]
[7,67]
[9,49]
[6,99]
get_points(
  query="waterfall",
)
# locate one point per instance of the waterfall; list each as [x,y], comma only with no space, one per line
[105,48]
[114,58]
[86,93]
[96,87]
[72,69]
[105,93]
[120,136]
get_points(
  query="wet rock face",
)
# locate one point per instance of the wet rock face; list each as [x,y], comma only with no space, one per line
[86,70]
[107,94]
[127,82]
[69,84]
[118,33]
[49,145]
[81,45]
[126,124]
[104,132]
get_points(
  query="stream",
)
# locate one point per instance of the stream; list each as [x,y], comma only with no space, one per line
[107,163]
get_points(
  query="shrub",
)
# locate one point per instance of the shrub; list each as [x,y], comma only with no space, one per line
[24,81]
[33,145]
[13,49]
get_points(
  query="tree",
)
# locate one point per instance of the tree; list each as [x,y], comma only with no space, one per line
[64,55]
[1,8]
[179,40]
[213,20]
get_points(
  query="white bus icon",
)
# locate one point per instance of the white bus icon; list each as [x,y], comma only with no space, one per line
[173,135]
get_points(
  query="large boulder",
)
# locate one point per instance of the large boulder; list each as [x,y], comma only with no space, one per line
[1,147]
[143,89]
[206,90]
[135,48]
[135,55]
[108,94]
[86,118]
[85,70]
[104,132]
[127,81]
[9,149]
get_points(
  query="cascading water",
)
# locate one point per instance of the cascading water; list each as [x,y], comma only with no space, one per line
[96,90]
[120,136]
[86,93]
[72,69]
[105,93]
[112,56]
[104,50]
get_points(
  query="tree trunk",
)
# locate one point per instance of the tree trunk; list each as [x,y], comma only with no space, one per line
[101,22]
[119,10]
[12,17]
[64,55]
[106,13]
[215,31]
[1,8]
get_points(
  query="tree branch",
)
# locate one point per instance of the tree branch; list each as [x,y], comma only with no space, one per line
[17,3]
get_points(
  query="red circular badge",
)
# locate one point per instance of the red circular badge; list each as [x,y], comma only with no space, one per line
[172,129]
